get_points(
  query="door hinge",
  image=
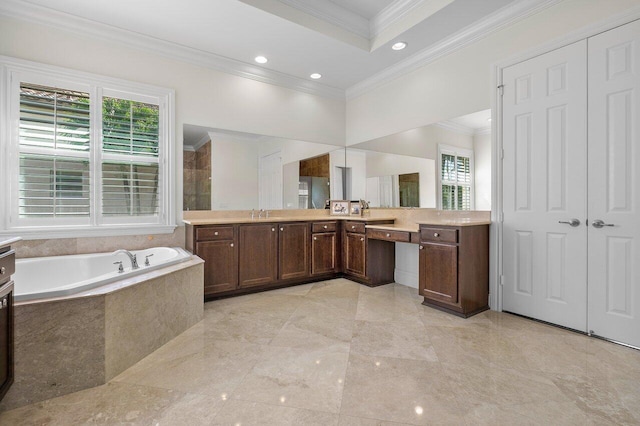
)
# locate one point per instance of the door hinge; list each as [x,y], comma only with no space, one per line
[501,90]
[501,217]
[502,154]
[502,280]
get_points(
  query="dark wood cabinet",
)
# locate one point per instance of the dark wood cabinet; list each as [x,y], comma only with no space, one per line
[355,252]
[454,268]
[220,265]
[7,268]
[325,249]
[294,250]
[257,254]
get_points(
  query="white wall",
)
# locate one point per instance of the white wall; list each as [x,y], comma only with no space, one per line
[204,97]
[482,173]
[460,83]
[234,174]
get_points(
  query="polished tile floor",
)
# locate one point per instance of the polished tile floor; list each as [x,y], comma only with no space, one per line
[338,353]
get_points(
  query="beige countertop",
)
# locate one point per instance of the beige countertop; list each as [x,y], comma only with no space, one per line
[9,241]
[455,222]
[238,220]
[393,227]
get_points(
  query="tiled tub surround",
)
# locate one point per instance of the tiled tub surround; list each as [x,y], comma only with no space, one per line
[64,345]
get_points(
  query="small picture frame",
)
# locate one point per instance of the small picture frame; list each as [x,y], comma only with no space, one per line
[339,208]
[355,208]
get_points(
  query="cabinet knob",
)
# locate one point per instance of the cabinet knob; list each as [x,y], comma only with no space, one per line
[315,238]
[281,229]
[435,234]
[421,247]
[231,245]
[273,229]
[388,235]
[4,302]
[3,270]
[325,226]
[353,227]
[361,239]
[215,233]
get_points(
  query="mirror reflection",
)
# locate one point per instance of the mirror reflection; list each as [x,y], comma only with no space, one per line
[445,165]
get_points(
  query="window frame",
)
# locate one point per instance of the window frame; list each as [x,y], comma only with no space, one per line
[13,72]
[458,152]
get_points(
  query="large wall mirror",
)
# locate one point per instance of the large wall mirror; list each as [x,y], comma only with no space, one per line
[445,165]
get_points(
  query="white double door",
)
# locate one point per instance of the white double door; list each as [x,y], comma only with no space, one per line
[571,186]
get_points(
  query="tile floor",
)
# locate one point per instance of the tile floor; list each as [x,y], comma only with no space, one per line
[338,353]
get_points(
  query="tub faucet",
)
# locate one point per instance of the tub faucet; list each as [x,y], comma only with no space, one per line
[132,257]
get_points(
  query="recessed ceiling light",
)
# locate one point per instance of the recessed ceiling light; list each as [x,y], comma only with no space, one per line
[315,76]
[261,59]
[399,45]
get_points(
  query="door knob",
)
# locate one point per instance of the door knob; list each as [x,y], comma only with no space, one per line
[573,222]
[600,224]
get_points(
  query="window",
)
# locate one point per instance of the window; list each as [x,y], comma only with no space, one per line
[86,154]
[455,178]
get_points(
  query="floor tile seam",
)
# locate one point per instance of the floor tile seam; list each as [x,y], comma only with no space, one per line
[292,406]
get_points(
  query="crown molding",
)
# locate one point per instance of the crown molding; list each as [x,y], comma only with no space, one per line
[85,27]
[392,13]
[188,148]
[333,14]
[483,131]
[203,140]
[455,127]
[506,16]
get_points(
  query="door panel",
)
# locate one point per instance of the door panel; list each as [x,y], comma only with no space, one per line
[258,255]
[614,184]
[544,139]
[294,250]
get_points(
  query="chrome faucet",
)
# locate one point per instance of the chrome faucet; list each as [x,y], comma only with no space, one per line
[253,214]
[132,257]
[260,213]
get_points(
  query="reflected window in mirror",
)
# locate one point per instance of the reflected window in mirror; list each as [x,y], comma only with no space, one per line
[455,181]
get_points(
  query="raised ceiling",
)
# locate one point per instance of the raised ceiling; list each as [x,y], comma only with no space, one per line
[347,41]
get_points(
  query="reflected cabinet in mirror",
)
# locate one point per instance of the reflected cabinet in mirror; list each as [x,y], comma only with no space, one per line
[445,165]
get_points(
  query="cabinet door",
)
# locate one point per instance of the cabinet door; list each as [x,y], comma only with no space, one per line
[323,253]
[220,265]
[294,250]
[354,256]
[257,254]
[6,338]
[439,272]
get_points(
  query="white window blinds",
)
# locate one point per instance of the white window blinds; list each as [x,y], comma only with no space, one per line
[456,177]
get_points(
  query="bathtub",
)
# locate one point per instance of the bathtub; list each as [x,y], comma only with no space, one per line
[55,276]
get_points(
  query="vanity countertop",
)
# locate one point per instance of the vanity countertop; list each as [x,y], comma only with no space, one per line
[9,241]
[238,220]
[405,227]
[455,222]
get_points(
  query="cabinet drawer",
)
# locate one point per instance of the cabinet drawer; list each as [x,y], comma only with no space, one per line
[439,235]
[323,227]
[214,233]
[7,265]
[380,234]
[354,227]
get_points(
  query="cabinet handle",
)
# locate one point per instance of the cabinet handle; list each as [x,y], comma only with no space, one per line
[4,302]
[231,245]
[3,270]
[361,239]
[315,238]
[325,227]
[215,233]
[435,234]
[421,248]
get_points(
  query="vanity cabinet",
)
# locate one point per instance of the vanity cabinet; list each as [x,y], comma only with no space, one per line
[7,268]
[454,268]
[217,246]
[368,261]
[294,250]
[257,254]
[324,248]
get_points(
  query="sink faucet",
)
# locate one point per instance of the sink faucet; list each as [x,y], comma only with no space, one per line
[132,257]
[260,213]
[253,214]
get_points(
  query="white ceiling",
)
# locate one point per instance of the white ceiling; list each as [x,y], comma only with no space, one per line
[288,32]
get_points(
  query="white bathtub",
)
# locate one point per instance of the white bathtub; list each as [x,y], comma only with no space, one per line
[46,277]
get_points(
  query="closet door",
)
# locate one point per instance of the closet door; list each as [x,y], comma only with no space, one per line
[614,184]
[544,187]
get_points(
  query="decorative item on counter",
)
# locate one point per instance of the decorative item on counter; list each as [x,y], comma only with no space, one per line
[355,208]
[339,208]
[364,208]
